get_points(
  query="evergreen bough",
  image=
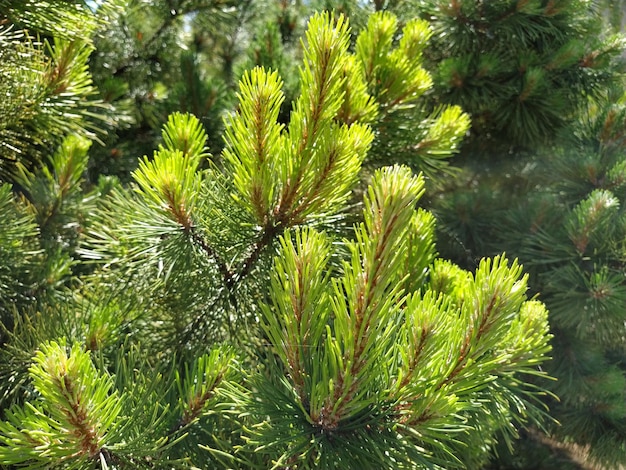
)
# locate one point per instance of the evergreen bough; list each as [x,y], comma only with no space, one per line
[231,317]
[46,86]
[541,80]
[522,69]
[570,234]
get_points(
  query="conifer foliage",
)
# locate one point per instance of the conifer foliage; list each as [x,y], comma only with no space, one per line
[522,68]
[370,359]
[229,315]
[408,131]
[46,86]
[541,179]
[571,236]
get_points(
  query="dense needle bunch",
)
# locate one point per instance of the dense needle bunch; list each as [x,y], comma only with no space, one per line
[46,86]
[346,344]
[521,68]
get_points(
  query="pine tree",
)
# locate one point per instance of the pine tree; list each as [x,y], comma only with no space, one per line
[236,318]
[570,233]
[521,69]
[46,86]
[47,116]
[541,182]
[186,56]
[159,57]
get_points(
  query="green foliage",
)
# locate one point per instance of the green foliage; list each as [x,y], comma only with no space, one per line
[54,194]
[47,88]
[544,183]
[367,366]
[153,77]
[225,314]
[223,223]
[206,99]
[72,20]
[73,417]
[156,58]
[367,371]
[565,220]
[521,69]
[409,132]
[18,251]
[388,71]
[41,228]
[614,13]
[180,215]
[83,416]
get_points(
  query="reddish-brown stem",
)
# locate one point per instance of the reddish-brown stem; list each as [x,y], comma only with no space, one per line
[77,416]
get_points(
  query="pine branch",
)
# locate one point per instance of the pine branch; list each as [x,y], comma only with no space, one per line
[211,254]
[358,352]
[268,235]
[200,384]
[75,413]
